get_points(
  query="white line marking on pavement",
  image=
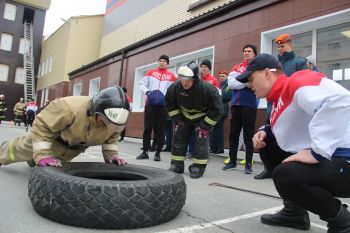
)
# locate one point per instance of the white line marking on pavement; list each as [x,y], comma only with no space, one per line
[319,226]
[223,221]
[190,229]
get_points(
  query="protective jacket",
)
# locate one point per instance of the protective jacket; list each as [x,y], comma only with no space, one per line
[3,109]
[19,108]
[155,83]
[66,121]
[291,63]
[241,95]
[201,102]
[310,111]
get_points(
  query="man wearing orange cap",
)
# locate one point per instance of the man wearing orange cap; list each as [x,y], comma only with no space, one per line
[289,60]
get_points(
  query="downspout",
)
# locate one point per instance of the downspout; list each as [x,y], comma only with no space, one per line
[121,68]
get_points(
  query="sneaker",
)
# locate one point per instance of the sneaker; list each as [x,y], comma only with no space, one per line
[242,162]
[230,166]
[227,161]
[143,155]
[248,169]
[157,156]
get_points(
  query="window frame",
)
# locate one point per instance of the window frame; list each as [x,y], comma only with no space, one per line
[5,8]
[80,85]
[16,75]
[8,72]
[90,86]
[1,41]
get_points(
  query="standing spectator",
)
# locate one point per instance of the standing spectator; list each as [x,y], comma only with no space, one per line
[308,121]
[243,112]
[155,84]
[217,136]
[194,106]
[311,63]
[129,99]
[3,107]
[168,134]
[19,112]
[290,64]
[31,109]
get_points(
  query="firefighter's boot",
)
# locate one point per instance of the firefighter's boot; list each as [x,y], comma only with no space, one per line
[177,166]
[196,170]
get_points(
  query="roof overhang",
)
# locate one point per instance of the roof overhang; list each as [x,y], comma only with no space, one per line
[40,4]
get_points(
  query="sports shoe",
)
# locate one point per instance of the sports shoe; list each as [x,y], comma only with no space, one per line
[227,161]
[157,156]
[242,162]
[143,155]
[230,166]
[248,169]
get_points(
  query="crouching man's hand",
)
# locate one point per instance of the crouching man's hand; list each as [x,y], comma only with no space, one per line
[50,161]
[115,159]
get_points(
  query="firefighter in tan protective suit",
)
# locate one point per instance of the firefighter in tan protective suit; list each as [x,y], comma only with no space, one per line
[68,126]
[18,110]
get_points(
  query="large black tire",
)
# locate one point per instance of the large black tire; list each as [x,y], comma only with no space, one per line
[104,196]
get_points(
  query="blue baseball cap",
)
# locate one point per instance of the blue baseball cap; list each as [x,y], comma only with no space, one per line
[260,62]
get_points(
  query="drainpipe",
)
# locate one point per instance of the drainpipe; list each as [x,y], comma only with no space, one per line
[121,68]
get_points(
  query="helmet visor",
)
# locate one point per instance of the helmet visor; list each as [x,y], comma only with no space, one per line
[117,116]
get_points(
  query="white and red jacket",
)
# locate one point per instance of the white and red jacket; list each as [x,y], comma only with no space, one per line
[212,80]
[311,111]
[241,95]
[155,83]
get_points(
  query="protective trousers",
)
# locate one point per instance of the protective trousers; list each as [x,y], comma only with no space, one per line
[181,137]
[21,149]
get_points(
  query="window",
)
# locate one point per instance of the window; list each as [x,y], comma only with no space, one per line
[6,42]
[4,72]
[50,63]
[42,73]
[77,89]
[39,71]
[10,11]
[46,66]
[20,75]
[175,63]
[333,51]
[326,37]
[21,46]
[94,87]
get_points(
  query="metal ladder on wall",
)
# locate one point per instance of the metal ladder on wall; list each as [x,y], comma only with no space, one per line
[28,62]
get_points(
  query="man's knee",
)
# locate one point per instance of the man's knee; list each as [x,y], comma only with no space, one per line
[285,174]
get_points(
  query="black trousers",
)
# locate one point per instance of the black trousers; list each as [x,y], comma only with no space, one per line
[155,118]
[168,134]
[181,138]
[242,117]
[272,155]
[314,186]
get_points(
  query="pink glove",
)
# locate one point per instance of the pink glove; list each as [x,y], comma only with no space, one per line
[116,160]
[50,161]
[202,133]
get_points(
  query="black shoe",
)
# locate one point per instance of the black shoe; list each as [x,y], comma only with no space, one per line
[196,171]
[263,175]
[157,156]
[341,222]
[143,155]
[177,167]
[290,216]
[230,166]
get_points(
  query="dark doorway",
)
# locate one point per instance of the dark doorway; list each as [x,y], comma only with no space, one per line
[28,15]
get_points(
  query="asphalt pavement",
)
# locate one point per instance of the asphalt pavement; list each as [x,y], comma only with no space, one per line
[220,201]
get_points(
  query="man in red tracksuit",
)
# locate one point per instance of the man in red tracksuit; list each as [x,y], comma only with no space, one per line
[154,84]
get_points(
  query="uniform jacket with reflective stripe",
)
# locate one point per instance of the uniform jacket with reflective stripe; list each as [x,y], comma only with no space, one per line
[202,99]
[156,82]
[310,111]
[67,118]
